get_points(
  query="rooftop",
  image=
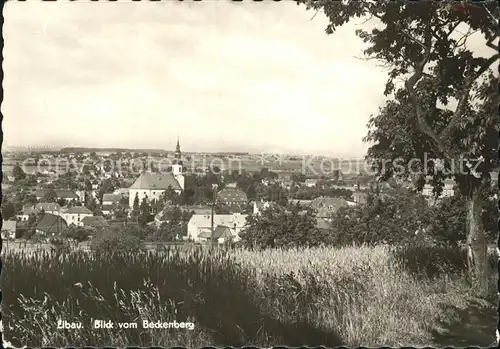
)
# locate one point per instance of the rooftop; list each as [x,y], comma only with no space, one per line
[156,181]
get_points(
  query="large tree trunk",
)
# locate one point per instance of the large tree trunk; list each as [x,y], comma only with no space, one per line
[477,249]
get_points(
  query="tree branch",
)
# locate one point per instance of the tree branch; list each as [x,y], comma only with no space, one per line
[418,112]
[462,100]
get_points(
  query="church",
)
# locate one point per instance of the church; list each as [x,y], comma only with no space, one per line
[153,185]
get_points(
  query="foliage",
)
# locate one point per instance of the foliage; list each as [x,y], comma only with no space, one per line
[8,210]
[446,107]
[312,193]
[449,221]
[18,173]
[77,234]
[392,218]
[279,226]
[115,241]
[50,196]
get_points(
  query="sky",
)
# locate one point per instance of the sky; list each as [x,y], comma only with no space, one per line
[225,76]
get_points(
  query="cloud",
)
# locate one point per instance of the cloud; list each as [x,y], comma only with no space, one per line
[227,76]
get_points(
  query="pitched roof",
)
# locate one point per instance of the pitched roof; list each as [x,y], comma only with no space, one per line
[48,206]
[78,210]
[221,231]
[9,225]
[197,209]
[156,181]
[232,194]
[66,194]
[204,221]
[40,192]
[112,197]
[302,203]
[60,193]
[107,207]
[95,221]
[52,224]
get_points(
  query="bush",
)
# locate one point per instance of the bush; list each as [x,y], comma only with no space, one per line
[435,261]
[115,241]
[385,219]
[279,226]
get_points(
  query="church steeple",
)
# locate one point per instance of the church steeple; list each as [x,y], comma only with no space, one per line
[178,149]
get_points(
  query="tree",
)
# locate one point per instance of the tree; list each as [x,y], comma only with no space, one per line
[77,234]
[8,210]
[145,212]
[50,196]
[111,241]
[135,208]
[279,226]
[392,218]
[18,173]
[61,202]
[420,45]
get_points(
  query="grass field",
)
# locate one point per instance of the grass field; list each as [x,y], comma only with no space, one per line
[351,296]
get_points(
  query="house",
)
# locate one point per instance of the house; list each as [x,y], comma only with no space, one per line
[111,199]
[81,195]
[232,196]
[310,183]
[326,206]
[49,207]
[121,191]
[195,209]
[94,222]
[67,195]
[153,185]
[75,215]
[107,209]
[202,223]
[288,184]
[360,197]
[25,213]
[448,189]
[51,225]
[40,194]
[222,234]
[301,203]
[9,229]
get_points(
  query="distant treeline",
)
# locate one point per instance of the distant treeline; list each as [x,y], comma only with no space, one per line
[113,150]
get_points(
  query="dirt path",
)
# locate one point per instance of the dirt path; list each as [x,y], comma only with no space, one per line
[474,326]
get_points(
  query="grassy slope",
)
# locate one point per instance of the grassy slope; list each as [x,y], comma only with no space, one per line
[353,296]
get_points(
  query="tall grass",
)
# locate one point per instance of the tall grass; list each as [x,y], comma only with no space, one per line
[350,296]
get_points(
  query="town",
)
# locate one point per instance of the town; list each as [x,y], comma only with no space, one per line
[79,189]
[231,174]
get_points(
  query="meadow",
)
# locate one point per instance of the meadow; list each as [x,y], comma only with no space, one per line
[370,296]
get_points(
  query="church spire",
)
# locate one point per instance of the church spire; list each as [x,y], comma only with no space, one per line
[178,149]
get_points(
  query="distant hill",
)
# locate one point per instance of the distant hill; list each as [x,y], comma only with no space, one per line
[112,150]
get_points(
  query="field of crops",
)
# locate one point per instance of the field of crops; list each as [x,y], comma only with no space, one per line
[351,296]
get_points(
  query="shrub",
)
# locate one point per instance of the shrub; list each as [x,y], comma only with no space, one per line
[279,226]
[115,241]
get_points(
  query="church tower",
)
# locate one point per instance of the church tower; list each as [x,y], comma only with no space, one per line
[177,165]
